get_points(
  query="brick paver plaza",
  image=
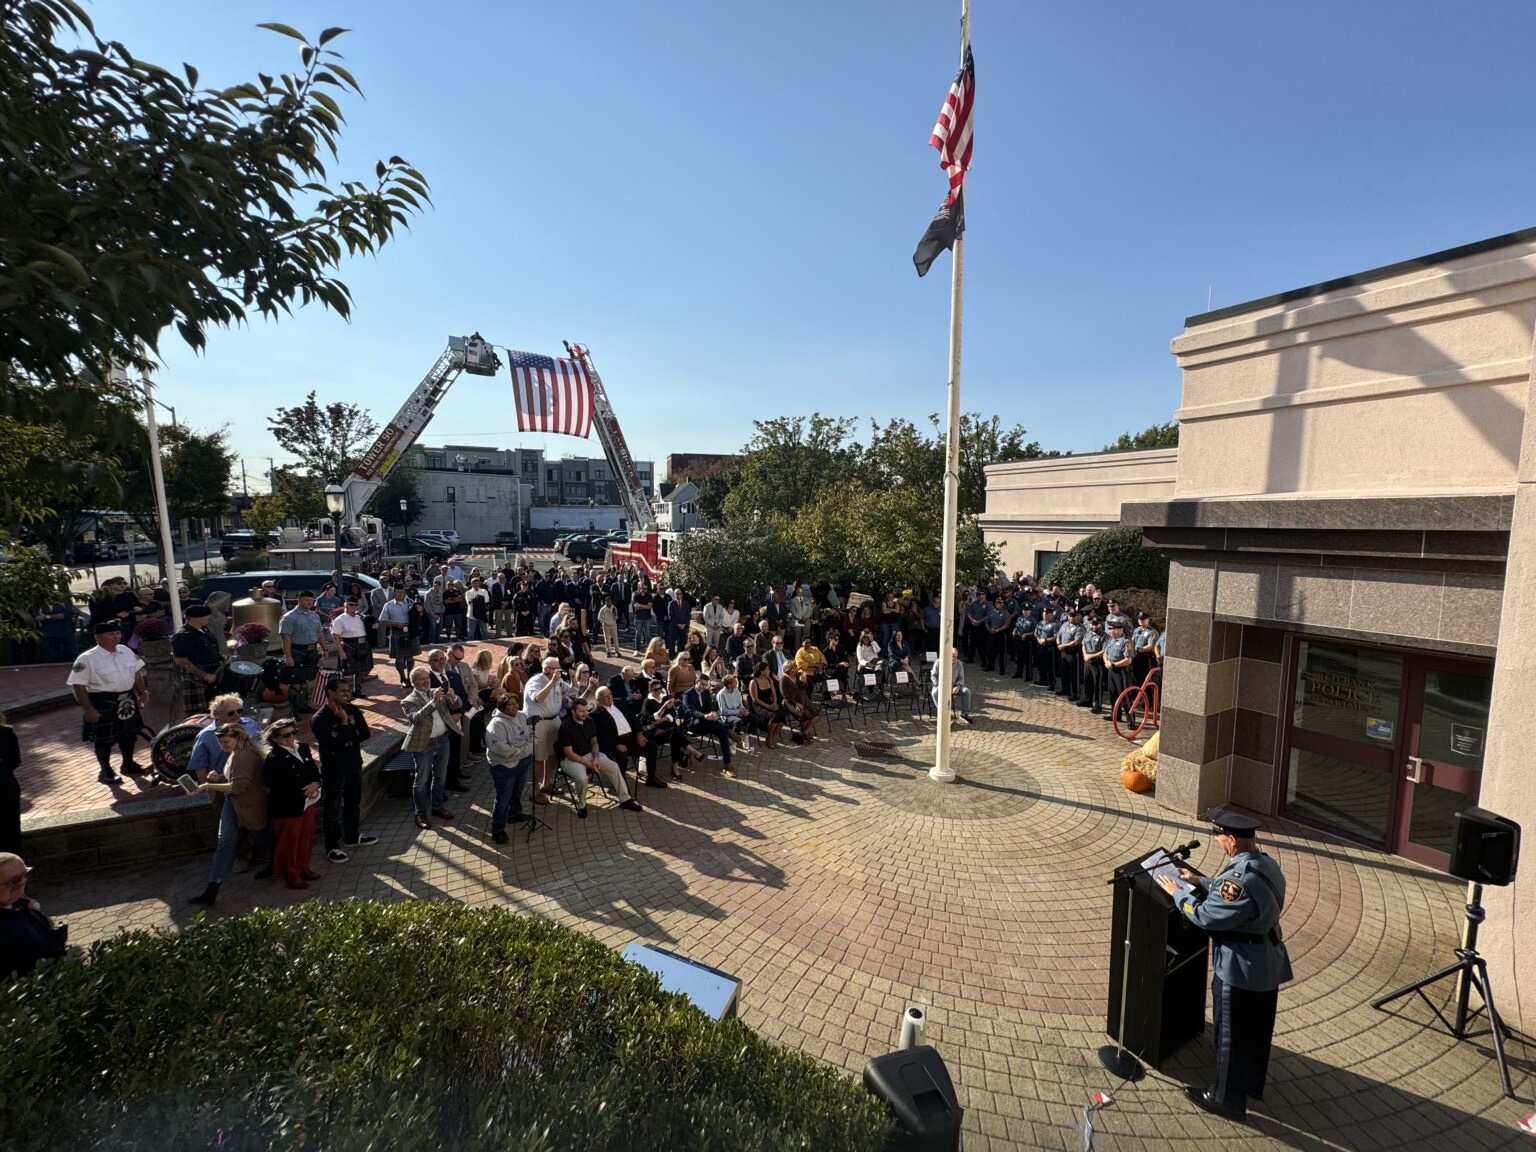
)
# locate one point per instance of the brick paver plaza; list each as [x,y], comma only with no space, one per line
[840,885]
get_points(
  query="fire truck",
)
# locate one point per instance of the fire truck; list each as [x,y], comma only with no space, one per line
[647,548]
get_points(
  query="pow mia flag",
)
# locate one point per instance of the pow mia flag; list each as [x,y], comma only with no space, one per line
[948,222]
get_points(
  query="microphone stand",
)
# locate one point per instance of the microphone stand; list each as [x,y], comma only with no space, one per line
[1118,1059]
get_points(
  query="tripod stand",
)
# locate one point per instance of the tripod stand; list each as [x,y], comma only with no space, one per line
[1471,971]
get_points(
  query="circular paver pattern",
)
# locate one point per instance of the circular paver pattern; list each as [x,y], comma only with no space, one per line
[841,888]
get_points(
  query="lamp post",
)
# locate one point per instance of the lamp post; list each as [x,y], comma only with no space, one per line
[336,505]
[405,516]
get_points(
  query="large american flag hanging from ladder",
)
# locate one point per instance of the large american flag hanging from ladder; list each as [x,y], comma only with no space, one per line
[551,395]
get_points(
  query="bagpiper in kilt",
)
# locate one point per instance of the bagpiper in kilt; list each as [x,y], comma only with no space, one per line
[108,683]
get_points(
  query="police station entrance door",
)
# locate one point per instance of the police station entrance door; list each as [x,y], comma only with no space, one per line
[1442,763]
[1385,745]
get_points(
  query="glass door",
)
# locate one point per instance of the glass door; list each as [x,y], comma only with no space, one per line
[1447,710]
[1342,739]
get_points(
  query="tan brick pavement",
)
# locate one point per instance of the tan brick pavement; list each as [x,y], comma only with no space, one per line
[841,885]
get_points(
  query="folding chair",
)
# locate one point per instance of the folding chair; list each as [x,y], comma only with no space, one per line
[903,691]
[836,707]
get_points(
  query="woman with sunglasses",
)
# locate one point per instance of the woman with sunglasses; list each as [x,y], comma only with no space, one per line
[240,780]
[293,788]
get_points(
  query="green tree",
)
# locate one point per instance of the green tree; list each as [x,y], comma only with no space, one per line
[733,559]
[303,496]
[1157,436]
[714,482]
[789,462]
[884,538]
[404,483]
[328,439]
[265,514]
[27,582]
[136,200]
[1113,558]
[902,453]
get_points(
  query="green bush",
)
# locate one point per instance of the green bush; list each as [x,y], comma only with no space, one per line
[402,1026]
[247,562]
[1113,558]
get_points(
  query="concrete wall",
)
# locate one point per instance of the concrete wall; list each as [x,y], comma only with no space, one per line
[1050,505]
[1415,383]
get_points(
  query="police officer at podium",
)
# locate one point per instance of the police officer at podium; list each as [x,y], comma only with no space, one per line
[1240,907]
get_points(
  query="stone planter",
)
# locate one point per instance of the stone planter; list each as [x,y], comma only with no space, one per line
[255,652]
[155,653]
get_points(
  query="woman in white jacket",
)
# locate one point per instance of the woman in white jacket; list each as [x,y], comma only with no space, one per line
[509,752]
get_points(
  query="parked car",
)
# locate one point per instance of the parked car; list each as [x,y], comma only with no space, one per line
[238,540]
[447,534]
[289,584]
[512,541]
[427,546]
[587,548]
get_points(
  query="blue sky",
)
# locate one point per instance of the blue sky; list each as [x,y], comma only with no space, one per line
[721,200]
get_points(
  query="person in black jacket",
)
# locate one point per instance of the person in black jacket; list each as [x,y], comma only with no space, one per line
[26,935]
[10,789]
[629,691]
[339,730]
[293,786]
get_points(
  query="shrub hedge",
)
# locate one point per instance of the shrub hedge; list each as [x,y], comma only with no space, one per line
[416,1026]
[1113,558]
[248,562]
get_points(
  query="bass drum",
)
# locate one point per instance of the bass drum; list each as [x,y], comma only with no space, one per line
[241,678]
[171,749]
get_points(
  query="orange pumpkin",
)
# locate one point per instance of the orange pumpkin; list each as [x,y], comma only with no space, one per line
[1135,781]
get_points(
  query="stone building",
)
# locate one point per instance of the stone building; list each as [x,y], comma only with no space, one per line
[1352,530]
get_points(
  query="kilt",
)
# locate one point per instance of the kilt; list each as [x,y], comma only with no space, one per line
[119,718]
[195,692]
[402,645]
[357,657]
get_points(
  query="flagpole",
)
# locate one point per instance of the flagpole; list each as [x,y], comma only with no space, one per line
[942,770]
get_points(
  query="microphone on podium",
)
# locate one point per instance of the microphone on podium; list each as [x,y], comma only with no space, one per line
[1183,850]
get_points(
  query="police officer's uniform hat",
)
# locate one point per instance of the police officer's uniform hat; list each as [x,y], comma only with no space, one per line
[1233,823]
[107,626]
[198,611]
[1143,615]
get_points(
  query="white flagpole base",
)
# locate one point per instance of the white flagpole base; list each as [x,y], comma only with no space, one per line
[943,773]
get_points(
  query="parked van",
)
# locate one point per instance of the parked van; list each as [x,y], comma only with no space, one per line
[289,584]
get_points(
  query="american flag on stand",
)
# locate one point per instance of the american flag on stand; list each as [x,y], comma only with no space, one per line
[551,395]
[317,689]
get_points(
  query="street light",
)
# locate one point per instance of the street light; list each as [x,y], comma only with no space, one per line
[336,505]
[405,517]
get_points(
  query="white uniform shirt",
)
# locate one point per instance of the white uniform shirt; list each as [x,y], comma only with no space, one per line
[345,627]
[102,671]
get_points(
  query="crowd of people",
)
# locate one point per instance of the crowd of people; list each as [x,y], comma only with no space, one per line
[704,680]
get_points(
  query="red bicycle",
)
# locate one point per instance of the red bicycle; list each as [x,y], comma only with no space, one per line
[1143,703]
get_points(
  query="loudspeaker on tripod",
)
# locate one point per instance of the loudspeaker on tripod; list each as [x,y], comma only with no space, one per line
[1485,848]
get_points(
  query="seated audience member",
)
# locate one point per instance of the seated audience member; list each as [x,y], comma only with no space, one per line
[580,758]
[960,692]
[659,725]
[836,658]
[682,674]
[870,661]
[810,661]
[704,718]
[798,702]
[767,703]
[735,711]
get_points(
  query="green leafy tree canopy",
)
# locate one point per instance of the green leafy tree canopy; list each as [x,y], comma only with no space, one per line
[265,514]
[1157,436]
[327,439]
[404,483]
[136,200]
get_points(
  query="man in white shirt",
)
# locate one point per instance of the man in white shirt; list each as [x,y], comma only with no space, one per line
[477,603]
[543,699]
[108,682]
[350,633]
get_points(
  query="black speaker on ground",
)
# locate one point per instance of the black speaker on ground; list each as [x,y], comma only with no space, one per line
[1485,848]
[916,1087]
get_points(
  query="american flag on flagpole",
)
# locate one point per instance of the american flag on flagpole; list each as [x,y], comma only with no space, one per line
[551,395]
[952,134]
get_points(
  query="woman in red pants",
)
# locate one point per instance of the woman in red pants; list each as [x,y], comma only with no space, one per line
[293,786]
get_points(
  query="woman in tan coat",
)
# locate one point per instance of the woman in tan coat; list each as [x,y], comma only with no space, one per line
[240,782]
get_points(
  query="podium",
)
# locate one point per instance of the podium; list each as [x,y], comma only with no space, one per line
[1157,970]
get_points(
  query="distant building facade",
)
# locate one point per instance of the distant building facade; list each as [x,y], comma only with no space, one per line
[568,480]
